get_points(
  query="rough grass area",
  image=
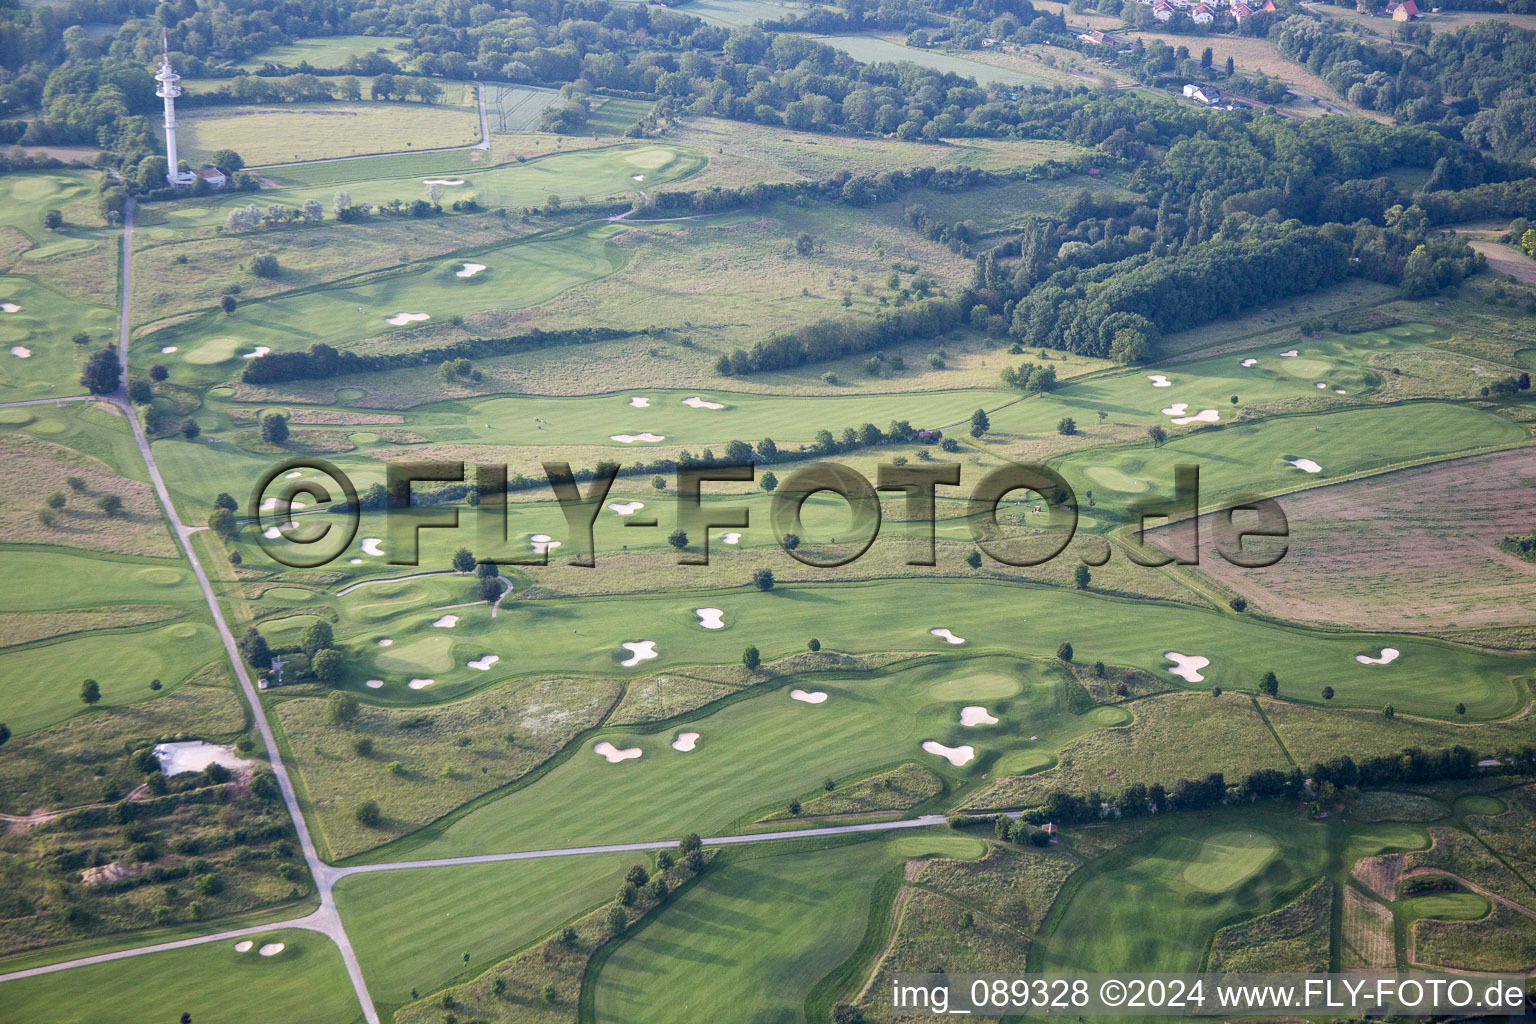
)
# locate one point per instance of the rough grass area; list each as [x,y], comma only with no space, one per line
[1458,853]
[427,761]
[36,468]
[1294,938]
[1015,885]
[1161,744]
[1367,936]
[58,767]
[1505,940]
[283,134]
[1511,833]
[894,790]
[935,933]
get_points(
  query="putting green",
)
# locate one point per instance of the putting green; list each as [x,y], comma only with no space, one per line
[951,847]
[214,350]
[652,159]
[972,685]
[1227,858]
[1024,762]
[49,425]
[161,577]
[1478,803]
[1526,357]
[426,654]
[364,437]
[15,417]
[1115,480]
[1109,716]
[350,394]
[288,594]
[1446,906]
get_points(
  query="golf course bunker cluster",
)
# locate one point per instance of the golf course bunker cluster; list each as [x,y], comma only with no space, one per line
[620,513]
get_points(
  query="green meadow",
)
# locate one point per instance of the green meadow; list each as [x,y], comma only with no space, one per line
[877,50]
[324,51]
[212,982]
[38,359]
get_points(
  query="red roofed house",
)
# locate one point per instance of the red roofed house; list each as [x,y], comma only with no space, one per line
[213,176]
[1405,11]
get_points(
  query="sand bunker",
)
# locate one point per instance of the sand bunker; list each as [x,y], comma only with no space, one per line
[637,177]
[447,622]
[420,684]
[442,181]
[956,756]
[371,547]
[730,538]
[947,636]
[401,319]
[261,350]
[640,403]
[244,946]
[698,403]
[375,684]
[385,642]
[542,543]
[710,618]
[293,476]
[1250,362]
[1187,666]
[9,307]
[354,561]
[195,755]
[484,662]
[21,352]
[1181,415]
[1338,391]
[1292,354]
[1388,656]
[626,508]
[639,650]
[975,715]
[272,949]
[1159,381]
[1321,385]
[613,754]
[1305,465]
[809,696]
[647,436]
[685,741]
[470,270]
[167,350]
[271,503]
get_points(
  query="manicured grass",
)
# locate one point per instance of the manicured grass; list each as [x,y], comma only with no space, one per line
[282,133]
[753,755]
[879,50]
[37,357]
[754,936]
[1138,911]
[324,51]
[212,982]
[40,683]
[411,929]
[740,13]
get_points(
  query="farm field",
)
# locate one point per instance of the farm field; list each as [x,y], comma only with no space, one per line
[286,134]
